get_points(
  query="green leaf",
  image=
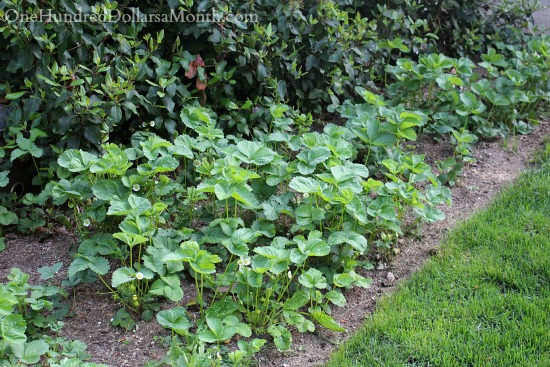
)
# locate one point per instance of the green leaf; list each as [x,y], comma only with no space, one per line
[268,252]
[48,272]
[4,179]
[152,147]
[325,320]
[309,159]
[241,194]
[298,299]
[123,319]
[371,132]
[382,207]
[313,278]
[221,309]
[13,329]
[25,146]
[236,327]
[432,214]
[48,81]
[130,106]
[336,297]
[7,301]
[30,353]
[12,96]
[113,162]
[182,145]
[343,280]
[122,275]
[204,262]
[314,245]
[119,207]
[220,331]
[278,111]
[305,185]
[168,287]
[252,152]
[164,164]
[98,265]
[7,217]
[302,324]
[342,173]
[130,239]
[281,337]
[353,239]
[105,189]
[251,277]
[175,319]
[138,204]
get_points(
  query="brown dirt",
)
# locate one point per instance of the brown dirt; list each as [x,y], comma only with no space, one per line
[498,163]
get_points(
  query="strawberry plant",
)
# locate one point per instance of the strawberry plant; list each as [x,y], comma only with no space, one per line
[276,227]
[28,313]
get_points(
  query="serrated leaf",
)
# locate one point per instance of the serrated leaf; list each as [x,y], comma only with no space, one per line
[106,189]
[336,297]
[221,309]
[314,245]
[139,204]
[252,152]
[25,146]
[313,278]
[122,275]
[268,252]
[7,301]
[98,265]
[30,353]
[169,287]
[298,299]
[182,146]
[204,262]
[281,337]
[48,272]
[175,319]
[241,194]
[305,185]
[309,159]
[353,239]
[13,329]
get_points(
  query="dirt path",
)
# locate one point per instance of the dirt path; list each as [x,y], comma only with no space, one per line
[495,167]
[542,17]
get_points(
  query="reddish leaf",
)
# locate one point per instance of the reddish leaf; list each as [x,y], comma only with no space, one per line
[193,65]
[199,61]
[200,84]
[192,70]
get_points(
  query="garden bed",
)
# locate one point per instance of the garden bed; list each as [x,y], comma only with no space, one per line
[498,163]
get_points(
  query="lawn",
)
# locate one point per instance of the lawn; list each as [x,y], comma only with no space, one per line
[484,300]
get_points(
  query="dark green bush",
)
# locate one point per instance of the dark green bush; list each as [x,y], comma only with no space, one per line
[78,85]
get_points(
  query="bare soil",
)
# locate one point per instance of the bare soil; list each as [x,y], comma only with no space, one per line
[498,163]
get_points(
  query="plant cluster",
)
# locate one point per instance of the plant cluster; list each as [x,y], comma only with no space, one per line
[500,94]
[270,231]
[29,314]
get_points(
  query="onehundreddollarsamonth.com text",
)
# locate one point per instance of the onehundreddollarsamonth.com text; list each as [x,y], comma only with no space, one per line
[130,15]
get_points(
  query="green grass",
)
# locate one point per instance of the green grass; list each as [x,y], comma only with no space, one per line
[484,301]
